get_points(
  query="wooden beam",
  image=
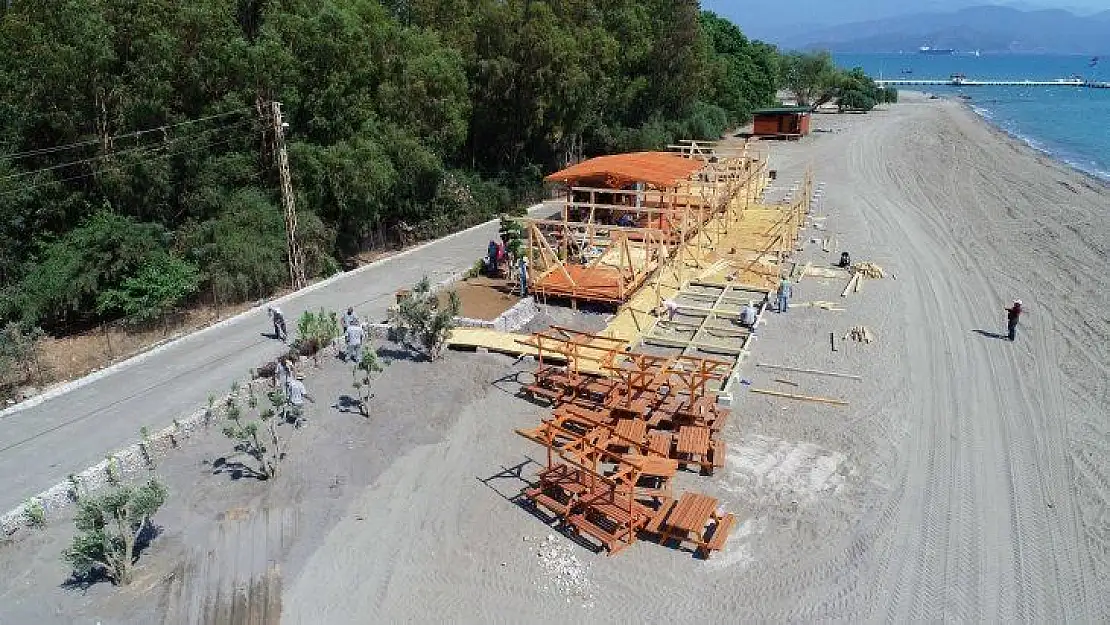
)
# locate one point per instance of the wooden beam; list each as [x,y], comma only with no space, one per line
[813,371]
[823,400]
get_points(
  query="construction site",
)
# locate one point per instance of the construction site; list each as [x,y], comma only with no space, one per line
[676,244]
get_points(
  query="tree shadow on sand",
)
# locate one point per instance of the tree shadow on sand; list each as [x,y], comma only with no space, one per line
[237,470]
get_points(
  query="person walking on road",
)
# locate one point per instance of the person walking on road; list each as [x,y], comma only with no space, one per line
[1012,314]
[349,317]
[785,291]
[355,335]
[297,394]
[279,323]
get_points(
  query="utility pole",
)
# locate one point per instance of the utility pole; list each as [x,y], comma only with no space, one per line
[296,260]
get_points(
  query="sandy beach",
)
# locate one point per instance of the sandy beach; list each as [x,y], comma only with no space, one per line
[967,480]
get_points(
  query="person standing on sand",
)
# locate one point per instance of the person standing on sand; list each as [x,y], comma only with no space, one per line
[1012,314]
[785,291]
[522,271]
[297,394]
[355,335]
[748,315]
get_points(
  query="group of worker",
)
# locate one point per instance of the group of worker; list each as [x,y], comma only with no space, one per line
[291,383]
[498,254]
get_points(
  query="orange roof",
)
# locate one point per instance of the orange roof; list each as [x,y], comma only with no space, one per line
[658,169]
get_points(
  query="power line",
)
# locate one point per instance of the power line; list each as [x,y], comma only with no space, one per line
[110,169]
[140,148]
[137,133]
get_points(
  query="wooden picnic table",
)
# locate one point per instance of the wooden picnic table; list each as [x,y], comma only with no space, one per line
[629,432]
[690,515]
[694,446]
[694,518]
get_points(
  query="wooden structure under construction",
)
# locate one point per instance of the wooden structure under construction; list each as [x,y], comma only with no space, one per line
[622,217]
[615,443]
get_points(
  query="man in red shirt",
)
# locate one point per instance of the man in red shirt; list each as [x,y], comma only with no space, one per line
[1012,314]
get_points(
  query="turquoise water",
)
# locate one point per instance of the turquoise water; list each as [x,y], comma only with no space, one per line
[1068,123]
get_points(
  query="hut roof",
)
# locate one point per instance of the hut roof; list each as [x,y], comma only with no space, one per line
[658,169]
[783,110]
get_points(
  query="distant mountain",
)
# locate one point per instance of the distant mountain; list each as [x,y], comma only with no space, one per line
[984,28]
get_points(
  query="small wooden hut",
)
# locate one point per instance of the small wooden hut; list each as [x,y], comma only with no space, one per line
[787,122]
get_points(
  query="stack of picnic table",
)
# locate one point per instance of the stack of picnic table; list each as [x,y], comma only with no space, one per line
[615,443]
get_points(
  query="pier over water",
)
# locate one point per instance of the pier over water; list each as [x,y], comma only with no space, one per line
[958,81]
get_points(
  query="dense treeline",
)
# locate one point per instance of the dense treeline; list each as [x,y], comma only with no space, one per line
[434,113]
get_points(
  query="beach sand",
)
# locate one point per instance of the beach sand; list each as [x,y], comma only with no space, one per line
[968,480]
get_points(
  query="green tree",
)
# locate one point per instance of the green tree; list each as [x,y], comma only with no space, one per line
[163,283]
[855,100]
[812,77]
[109,529]
[421,322]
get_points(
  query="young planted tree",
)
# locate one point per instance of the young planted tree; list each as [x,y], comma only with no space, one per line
[109,527]
[363,376]
[420,322]
[255,433]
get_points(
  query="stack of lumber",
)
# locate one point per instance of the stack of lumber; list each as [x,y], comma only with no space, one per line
[870,270]
[853,285]
[824,272]
[861,334]
[819,304]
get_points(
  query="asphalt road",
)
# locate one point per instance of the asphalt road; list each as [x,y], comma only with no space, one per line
[42,444]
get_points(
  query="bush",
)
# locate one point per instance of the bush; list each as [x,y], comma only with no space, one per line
[418,321]
[19,352]
[109,528]
[855,101]
[315,331]
[70,272]
[34,513]
[160,286]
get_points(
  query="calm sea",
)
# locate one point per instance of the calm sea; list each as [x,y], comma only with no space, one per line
[1070,124]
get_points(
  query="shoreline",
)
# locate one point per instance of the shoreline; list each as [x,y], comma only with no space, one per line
[1028,142]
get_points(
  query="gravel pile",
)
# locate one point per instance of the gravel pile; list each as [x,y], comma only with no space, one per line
[565,574]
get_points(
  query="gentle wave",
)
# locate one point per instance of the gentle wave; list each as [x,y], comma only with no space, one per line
[1090,168]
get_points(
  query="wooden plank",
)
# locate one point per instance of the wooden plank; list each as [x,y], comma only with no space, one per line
[823,400]
[813,371]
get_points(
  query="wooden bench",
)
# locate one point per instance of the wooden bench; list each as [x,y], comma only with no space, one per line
[717,454]
[720,535]
[655,523]
[536,390]
[540,498]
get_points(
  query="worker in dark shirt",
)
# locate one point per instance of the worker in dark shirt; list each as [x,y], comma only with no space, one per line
[1012,314]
